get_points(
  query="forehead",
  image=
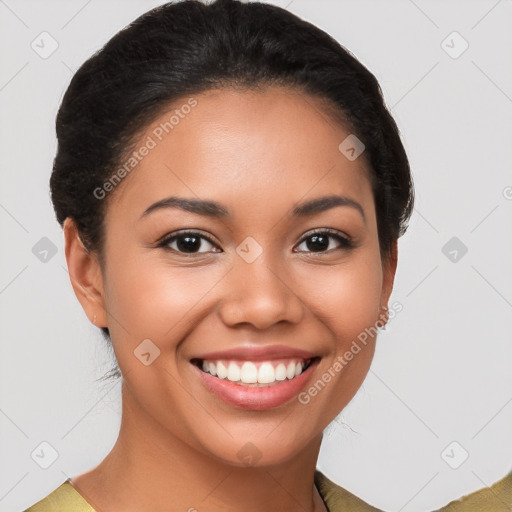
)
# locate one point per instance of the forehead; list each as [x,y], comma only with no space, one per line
[247,149]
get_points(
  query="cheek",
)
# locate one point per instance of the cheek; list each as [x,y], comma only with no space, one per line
[148,299]
[346,298]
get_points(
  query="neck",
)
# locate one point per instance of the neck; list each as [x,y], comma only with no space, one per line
[149,468]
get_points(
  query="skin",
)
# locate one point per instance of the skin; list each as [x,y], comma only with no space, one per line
[259,154]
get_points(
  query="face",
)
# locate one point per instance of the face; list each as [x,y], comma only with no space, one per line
[259,275]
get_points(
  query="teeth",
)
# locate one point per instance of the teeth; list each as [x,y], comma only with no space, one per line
[280,372]
[222,371]
[255,373]
[266,374]
[233,372]
[249,373]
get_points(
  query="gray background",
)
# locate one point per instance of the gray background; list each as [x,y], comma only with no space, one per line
[442,369]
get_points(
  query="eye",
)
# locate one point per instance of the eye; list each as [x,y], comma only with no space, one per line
[186,242]
[319,241]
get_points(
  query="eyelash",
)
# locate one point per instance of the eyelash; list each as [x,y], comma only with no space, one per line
[344,241]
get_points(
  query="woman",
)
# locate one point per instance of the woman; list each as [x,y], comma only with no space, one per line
[231,188]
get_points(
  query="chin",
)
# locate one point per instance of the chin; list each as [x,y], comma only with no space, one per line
[257,451]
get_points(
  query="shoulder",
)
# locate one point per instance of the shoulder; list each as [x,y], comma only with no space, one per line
[339,499]
[63,499]
[496,498]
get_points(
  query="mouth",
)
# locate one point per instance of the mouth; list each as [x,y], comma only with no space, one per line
[255,385]
[255,373]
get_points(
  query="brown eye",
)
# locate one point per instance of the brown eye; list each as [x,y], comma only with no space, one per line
[187,242]
[321,241]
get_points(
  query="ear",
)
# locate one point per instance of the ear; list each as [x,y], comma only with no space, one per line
[388,276]
[85,275]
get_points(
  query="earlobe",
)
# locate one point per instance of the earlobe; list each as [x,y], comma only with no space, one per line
[85,274]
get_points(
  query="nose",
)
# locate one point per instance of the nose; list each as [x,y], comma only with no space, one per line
[260,294]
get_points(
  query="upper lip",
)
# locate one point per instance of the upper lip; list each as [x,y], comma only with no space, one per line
[258,353]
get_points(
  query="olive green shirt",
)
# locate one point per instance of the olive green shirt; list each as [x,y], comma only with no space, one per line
[496,498]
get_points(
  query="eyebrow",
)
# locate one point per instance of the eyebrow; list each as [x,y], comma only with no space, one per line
[216,210]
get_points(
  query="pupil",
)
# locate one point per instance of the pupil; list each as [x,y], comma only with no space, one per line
[184,243]
[317,239]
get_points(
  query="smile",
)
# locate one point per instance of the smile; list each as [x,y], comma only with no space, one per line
[254,373]
[255,385]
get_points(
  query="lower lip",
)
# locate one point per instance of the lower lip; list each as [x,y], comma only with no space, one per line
[256,398]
